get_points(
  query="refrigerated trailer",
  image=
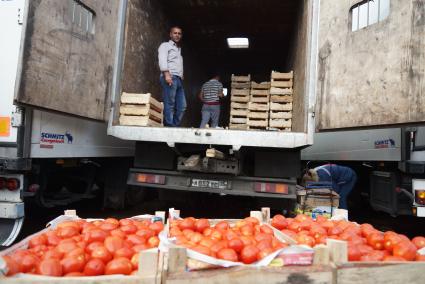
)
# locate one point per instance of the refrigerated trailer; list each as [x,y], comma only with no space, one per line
[74,59]
[48,155]
[371,100]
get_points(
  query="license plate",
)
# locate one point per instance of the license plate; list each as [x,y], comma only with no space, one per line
[205,183]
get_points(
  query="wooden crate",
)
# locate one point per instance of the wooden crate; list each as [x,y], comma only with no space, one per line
[261,123]
[241,78]
[281,91]
[239,105]
[238,126]
[280,114]
[282,80]
[281,99]
[258,106]
[260,86]
[151,264]
[239,95]
[259,96]
[280,106]
[140,110]
[280,123]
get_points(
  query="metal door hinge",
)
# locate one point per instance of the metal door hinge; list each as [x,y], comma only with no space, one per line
[17,118]
[20,16]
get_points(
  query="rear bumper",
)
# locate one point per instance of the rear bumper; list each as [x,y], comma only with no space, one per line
[231,185]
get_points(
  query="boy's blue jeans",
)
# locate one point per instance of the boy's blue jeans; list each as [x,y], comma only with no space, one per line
[174,101]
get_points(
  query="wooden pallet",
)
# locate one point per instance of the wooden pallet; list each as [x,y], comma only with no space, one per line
[239,105]
[238,112]
[238,126]
[281,106]
[140,99]
[282,80]
[281,99]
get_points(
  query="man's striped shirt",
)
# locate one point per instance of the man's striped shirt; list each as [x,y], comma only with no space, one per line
[211,90]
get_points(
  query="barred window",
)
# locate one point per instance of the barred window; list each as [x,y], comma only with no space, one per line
[82,16]
[369,12]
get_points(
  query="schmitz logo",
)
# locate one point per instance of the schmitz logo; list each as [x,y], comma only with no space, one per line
[56,138]
[387,143]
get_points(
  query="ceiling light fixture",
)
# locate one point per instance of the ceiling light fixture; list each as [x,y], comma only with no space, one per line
[237,42]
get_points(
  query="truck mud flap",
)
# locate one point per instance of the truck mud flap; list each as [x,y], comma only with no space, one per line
[9,230]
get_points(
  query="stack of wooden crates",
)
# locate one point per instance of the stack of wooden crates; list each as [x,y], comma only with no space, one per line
[140,110]
[281,91]
[266,105]
[239,101]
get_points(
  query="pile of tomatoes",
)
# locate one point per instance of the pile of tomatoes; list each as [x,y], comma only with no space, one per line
[247,240]
[365,243]
[81,248]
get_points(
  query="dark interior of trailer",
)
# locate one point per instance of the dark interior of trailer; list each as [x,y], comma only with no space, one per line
[276,30]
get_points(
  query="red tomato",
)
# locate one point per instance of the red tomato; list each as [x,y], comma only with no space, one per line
[263,236]
[236,244]
[376,240]
[302,218]
[108,226]
[201,225]
[279,222]
[306,240]
[354,253]
[157,227]
[252,220]
[90,247]
[222,225]
[101,253]
[393,258]
[117,233]
[94,267]
[124,252]
[52,238]
[202,249]
[53,254]
[217,246]
[406,250]
[187,223]
[390,240]
[146,233]
[135,239]
[247,230]
[264,244]
[74,274]
[153,242]
[374,255]
[294,226]
[38,240]
[420,257]
[66,246]
[95,235]
[125,222]
[67,232]
[119,266]
[135,261]
[29,263]
[321,219]
[266,230]
[13,267]
[49,267]
[249,254]
[129,229]
[113,244]
[216,235]
[317,232]
[335,231]
[289,233]
[139,248]
[73,264]
[227,254]
[265,252]
[112,221]
[419,242]
[364,249]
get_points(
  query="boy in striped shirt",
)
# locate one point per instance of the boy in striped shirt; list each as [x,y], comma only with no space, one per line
[210,95]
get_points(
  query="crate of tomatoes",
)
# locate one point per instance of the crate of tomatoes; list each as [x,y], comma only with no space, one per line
[201,250]
[74,250]
[360,252]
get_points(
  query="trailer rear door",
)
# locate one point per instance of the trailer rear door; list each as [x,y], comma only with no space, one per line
[67,56]
[371,63]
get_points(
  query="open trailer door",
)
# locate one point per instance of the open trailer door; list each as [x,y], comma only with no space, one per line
[67,56]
